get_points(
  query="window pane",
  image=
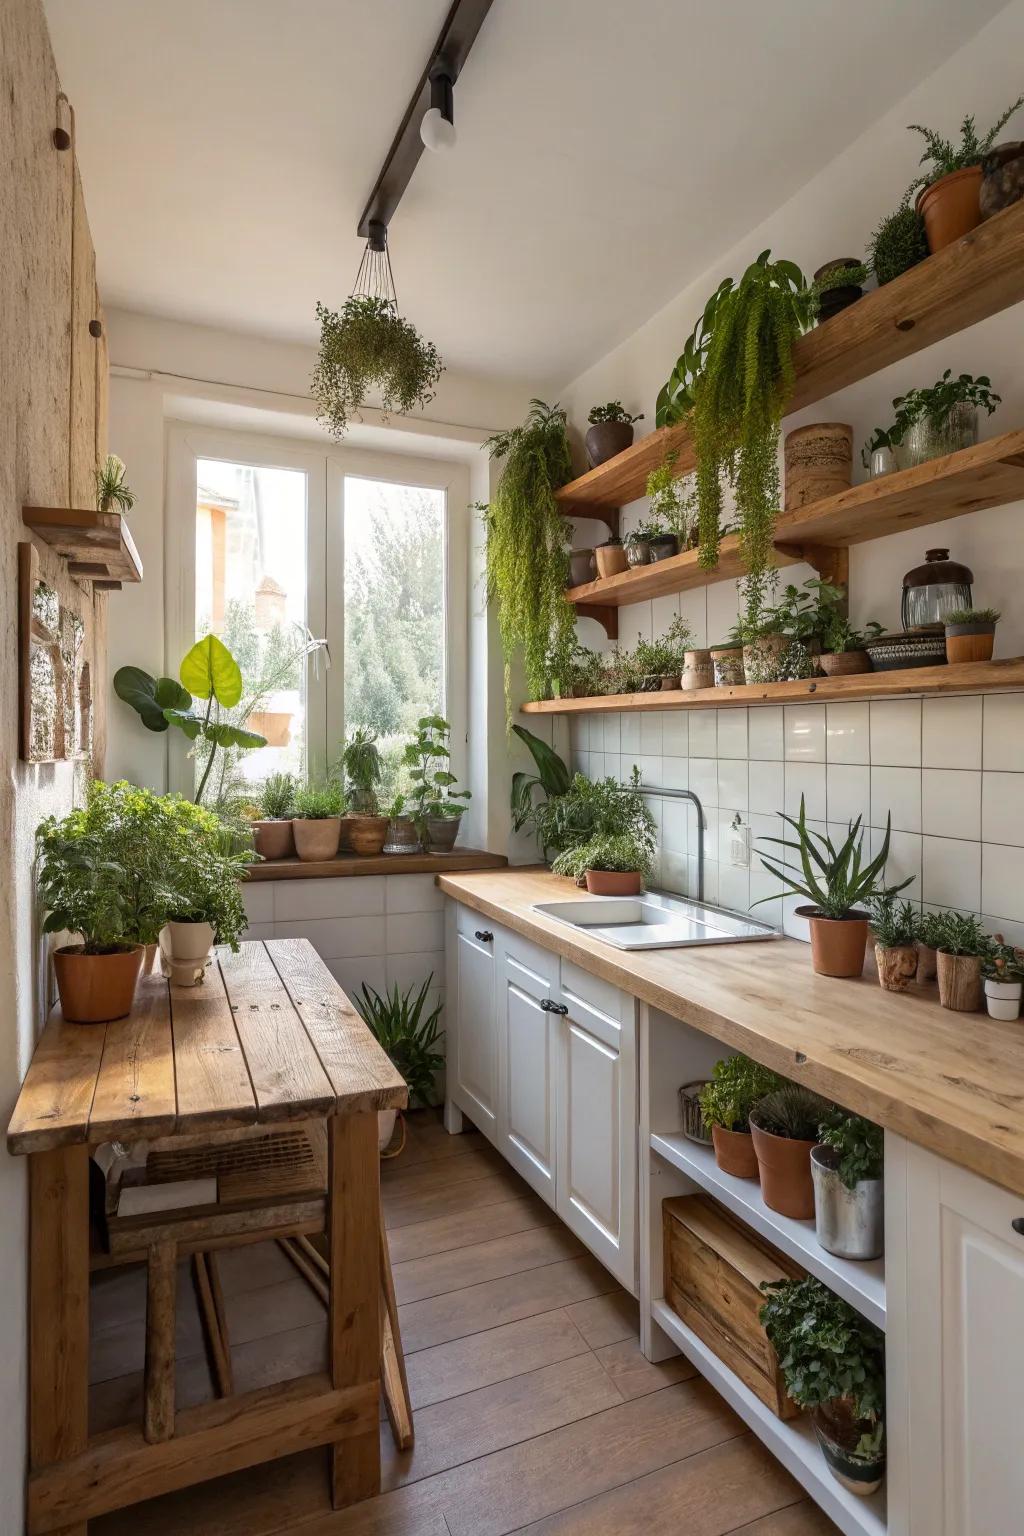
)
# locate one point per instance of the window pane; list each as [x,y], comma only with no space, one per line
[251,592]
[394,612]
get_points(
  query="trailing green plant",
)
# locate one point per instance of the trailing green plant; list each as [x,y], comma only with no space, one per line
[960,933]
[427,759]
[663,657]
[736,1085]
[613,411]
[944,157]
[973,616]
[363,770]
[827,1352]
[622,852]
[833,880]
[791,1111]
[112,491]
[934,405]
[319,801]
[409,1032]
[595,808]
[367,345]
[670,502]
[277,796]
[677,394]
[858,1143]
[898,243]
[528,544]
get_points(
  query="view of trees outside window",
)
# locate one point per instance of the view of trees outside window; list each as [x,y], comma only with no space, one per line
[394,613]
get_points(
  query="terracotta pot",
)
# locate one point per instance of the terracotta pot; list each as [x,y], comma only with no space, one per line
[727,661]
[611,559]
[762,658]
[273,839]
[960,986]
[837,943]
[970,642]
[951,207]
[785,1169]
[734,1152]
[95,988]
[613,882]
[819,462]
[897,966]
[698,670]
[926,962]
[844,663]
[607,438]
[582,567]
[368,834]
[317,839]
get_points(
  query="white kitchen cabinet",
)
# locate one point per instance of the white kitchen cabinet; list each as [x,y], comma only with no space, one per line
[955,1348]
[527,981]
[473,1054]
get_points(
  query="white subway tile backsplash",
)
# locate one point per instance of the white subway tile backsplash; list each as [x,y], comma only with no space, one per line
[597,733]
[704,780]
[258,896]
[694,609]
[732,783]
[675,825]
[676,733]
[848,733]
[848,792]
[767,790]
[710,878]
[951,732]
[413,893]
[1003,732]
[612,733]
[597,768]
[904,859]
[336,938]
[1002,881]
[630,734]
[675,772]
[732,733]
[675,872]
[951,873]
[807,780]
[896,733]
[764,733]
[651,737]
[411,970]
[355,896]
[353,973]
[414,933]
[951,803]
[804,726]
[896,792]
[1002,808]
[704,733]
[734,887]
[650,768]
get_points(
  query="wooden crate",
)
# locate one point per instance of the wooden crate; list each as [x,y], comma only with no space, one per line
[714,1266]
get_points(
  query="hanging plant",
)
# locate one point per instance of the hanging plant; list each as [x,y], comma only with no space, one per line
[528,545]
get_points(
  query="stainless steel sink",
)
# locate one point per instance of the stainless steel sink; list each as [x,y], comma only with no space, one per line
[656,920]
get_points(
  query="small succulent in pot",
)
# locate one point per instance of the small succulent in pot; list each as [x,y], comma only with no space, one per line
[1003,971]
[895,928]
[962,949]
[611,431]
[272,830]
[736,1085]
[848,1192]
[971,634]
[112,491]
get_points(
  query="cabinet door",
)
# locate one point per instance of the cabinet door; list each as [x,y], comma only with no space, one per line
[527,979]
[597,1124]
[476,1053]
[961,1313]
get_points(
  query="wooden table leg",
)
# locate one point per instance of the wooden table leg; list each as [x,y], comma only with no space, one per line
[59,1309]
[353,1192]
[161,1314]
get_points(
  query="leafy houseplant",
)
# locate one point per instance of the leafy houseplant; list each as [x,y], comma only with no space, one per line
[845,648]
[552,779]
[1004,980]
[205,870]
[848,1190]
[726,1101]
[949,200]
[527,544]
[836,286]
[575,671]
[836,884]
[112,491]
[943,419]
[272,832]
[663,658]
[316,820]
[409,1031]
[361,763]
[601,829]
[611,431]
[858,1145]
[879,452]
[895,927]
[970,634]
[438,804]
[898,243]
[784,1128]
[611,864]
[368,345]
[402,834]
[833,1362]
[963,947]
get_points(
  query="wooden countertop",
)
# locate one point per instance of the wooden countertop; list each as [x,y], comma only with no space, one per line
[952,1082]
[347,864]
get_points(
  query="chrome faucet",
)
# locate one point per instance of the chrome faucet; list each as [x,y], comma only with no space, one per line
[685,794]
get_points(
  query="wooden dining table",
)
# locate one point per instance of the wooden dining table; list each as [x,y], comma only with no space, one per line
[269,1038]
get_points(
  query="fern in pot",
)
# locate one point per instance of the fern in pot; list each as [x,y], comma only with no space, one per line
[736,1085]
[408,1029]
[365,828]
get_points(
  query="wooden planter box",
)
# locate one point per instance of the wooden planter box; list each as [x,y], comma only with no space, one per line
[714,1266]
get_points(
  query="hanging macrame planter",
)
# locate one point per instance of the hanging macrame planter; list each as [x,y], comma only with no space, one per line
[368,349]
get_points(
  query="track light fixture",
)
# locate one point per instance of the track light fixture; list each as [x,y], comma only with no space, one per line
[437,126]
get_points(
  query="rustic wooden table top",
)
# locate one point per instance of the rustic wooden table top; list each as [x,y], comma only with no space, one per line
[269,1036]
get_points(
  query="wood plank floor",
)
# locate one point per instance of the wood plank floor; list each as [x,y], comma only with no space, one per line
[535,1410]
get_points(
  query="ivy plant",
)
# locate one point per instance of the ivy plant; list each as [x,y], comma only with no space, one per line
[365,346]
[827,1351]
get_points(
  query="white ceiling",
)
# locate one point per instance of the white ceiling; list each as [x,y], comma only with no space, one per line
[608,151]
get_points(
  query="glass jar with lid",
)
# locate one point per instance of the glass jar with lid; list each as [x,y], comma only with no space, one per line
[932,590]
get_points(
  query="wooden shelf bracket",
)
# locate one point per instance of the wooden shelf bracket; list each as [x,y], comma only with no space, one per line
[608,618]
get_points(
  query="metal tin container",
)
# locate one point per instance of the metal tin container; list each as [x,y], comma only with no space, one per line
[849,1222]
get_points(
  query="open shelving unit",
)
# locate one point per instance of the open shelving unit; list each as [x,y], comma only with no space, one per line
[97,546]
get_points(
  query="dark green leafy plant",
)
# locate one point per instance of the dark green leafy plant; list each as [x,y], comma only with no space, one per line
[839,635]
[791,1111]
[670,503]
[852,276]
[409,1033]
[859,1145]
[960,933]
[363,769]
[935,404]
[82,887]
[944,157]
[973,616]
[827,1352]
[663,657]
[112,492]
[367,346]
[736,1085]
[427,759]
[205,868]
[528,544]
[318,802]
[676,397]
[613,411]
[277,796]
[644,532]
[898,243]
[552,779]
[833,880]
[602,807]
[622,852]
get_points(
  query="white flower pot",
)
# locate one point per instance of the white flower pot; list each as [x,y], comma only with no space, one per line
[1002,998]
[188,941]
[385,1127]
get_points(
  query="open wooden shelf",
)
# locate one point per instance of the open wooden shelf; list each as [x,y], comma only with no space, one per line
[968,281]
[964,677]
[988,474]
[98,546]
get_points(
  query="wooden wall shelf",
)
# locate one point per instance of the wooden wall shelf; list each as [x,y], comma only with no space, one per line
[968,281]
[986,475]
[98,546]
[965,677]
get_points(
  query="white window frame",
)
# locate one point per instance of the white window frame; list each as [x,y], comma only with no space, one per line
[325,470]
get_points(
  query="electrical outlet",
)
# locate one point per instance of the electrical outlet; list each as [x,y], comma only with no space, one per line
[739,843]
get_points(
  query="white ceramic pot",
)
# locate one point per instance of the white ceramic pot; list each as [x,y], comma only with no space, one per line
[385,1127]
[187,942]
[1002,998]
[883,462]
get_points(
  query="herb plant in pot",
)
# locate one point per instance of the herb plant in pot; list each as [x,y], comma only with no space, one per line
[316,820]
[366,828]
[610,864]
[439,805]
[962,948]
[272,831]
[408,1030]
[662,659]
[727,658]
[670,509]
[610,557]
[736,1085]
[971,634]
[849,1210]
[837,885]
[402,834]
[605,835]
[930,933]
[204,870]
[949,200]
[833,1362]
[611,431]
[1004,977]
[895,926]
[845,649]
[898,243]
[638,543]
[784,1127]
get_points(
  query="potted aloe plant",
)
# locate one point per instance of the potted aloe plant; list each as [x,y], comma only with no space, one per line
[316,820]
[409,1031]
[836,885]
[895,927]
[849,1213]
[611,431]
[736,1085]
[365,828]
[784,1127]
[1004,977]
[272,830]
[833,1363]
[439,805]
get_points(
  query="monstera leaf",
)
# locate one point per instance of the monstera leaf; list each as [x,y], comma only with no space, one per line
[210,671]
[150,696]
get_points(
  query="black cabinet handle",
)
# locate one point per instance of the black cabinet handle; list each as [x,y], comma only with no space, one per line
[483,935]
[1018,1224]
[550,1006]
